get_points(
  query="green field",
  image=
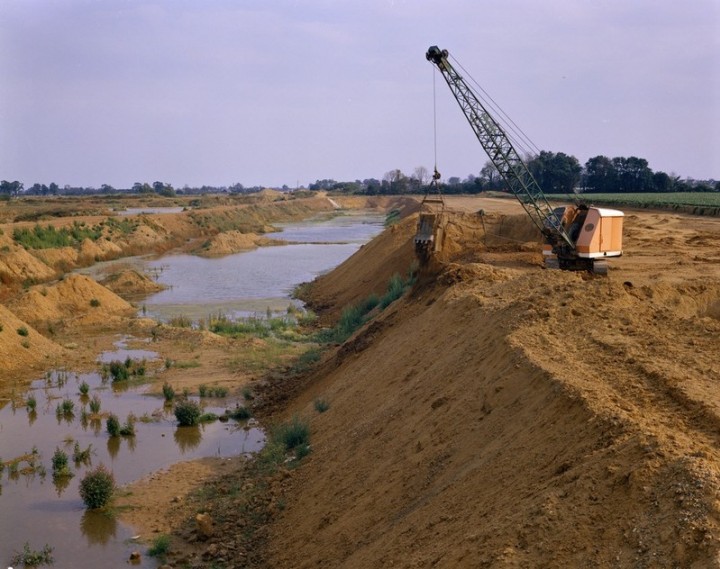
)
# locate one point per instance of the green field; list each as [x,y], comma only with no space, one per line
[709,199]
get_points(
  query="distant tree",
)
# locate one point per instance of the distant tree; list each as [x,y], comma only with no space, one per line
[600,175]
[661,182]
[555,172]
[371,186]
[422,175]
[397,182]
[11,188]
[490,177]
[633,174]
[142,188]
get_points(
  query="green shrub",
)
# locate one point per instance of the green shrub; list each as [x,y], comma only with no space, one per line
[80,455]
[187,412]
[22,331]
[95,404]
[168,392]
[60,464]
[97,487]
[128,429]
[395,289]
[66,408]
[203,390]
[240,413]
[94,302]
[113,426]
[321,405]
[84,388]
[31,403]
[30,558]
[160,546]
[292,434]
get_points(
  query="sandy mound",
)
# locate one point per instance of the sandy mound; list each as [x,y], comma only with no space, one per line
[19,265]
[22,348]
[130,282]
[232,242]
[502,415]
[61,259]
[77,298]
[103,249]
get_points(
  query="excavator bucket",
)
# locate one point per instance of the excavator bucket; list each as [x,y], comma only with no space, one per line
[428,237]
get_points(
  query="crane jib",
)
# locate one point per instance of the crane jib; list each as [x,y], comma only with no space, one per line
[501,152]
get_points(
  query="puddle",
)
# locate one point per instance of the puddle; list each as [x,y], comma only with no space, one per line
[148,210]
[39,510]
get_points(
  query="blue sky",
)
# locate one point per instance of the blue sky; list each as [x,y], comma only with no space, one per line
[286,92]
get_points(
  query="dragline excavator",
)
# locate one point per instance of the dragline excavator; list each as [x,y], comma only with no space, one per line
[576,237]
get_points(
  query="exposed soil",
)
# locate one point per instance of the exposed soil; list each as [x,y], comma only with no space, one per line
[503,415]
[498,415]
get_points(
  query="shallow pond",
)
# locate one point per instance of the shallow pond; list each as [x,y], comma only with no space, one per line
[36,509]
[248,283]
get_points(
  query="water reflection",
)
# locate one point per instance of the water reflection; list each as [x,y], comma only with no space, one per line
[187,438]
[61,484]
[98,527]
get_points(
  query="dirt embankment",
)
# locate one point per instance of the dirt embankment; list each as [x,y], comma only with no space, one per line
[503,415]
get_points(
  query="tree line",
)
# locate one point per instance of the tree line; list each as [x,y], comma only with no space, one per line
[555,172]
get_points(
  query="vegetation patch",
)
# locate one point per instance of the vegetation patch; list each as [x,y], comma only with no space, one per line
[49,237]
[97,487]
[187,412]
[123,370]
[33,558]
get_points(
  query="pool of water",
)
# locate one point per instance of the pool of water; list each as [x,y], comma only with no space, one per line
[37,509]
[149,210]
[248,283]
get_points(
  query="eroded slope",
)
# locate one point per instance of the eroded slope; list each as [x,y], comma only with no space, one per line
[507,416]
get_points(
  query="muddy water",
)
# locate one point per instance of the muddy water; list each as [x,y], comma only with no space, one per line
[250,282]
[37,509]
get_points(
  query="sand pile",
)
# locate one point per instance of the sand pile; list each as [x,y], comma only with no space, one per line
[77,298]
[232,242]
[19,265]
[130,282]
[22,348]
[502,415]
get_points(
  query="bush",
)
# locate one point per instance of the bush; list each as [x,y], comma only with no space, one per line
[113,426]
[395,289]
[321,405]
[187,412]
[60,464]
[97,487]
[31,558]
[240,413]
[95,404]
[160,546]
[22,331]
[292,434]
[128,429]
[168,392]
[94,302]
[84,388]
[31,403]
